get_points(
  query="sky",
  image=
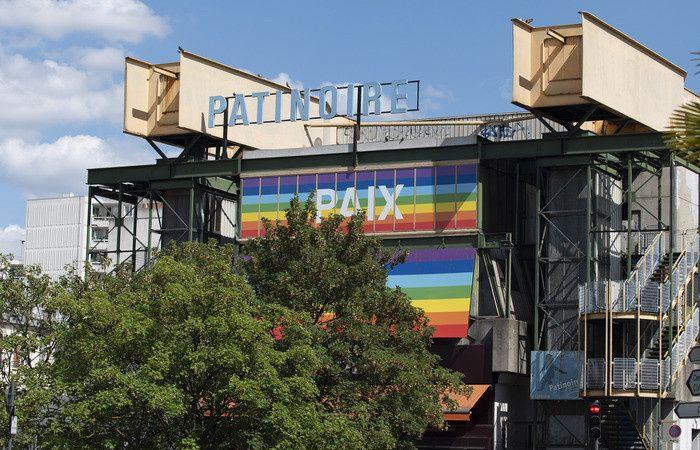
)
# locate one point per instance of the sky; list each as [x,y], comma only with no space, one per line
[62,63]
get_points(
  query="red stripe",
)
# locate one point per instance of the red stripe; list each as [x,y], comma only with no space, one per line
[451,331]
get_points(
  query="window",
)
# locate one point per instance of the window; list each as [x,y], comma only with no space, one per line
[97,257]
[99,234]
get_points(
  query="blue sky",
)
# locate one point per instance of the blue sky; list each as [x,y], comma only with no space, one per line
[61,64]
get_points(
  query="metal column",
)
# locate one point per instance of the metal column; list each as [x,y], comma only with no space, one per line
[119,219]
[190,223]
[629,215]
[671,252]
[536,312]
[147,263]
[134,238]
[88,238]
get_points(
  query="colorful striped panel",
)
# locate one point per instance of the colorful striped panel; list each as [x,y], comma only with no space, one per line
[439,281]
[435,199]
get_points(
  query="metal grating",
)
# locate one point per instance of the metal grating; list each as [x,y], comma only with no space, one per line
[595,373]
[624,373]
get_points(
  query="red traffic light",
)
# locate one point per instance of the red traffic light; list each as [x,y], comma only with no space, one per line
[594,408]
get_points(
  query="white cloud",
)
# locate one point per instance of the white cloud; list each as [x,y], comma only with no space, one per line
[438,94]
[11,238]
[37,93]
[54,167]
[107,58]
[285,79]
[113,20]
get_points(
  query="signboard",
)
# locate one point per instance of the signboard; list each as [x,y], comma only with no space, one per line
[430,199]
[554,375]
[674,432]
[693,382]
[329,102]
[694,354]
[439,281]
[688,410]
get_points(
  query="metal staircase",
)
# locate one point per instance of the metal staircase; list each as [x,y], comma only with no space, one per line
[619,429]
[647,292]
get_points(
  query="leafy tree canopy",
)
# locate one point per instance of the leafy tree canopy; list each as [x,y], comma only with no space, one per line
[372,345]
[303,346]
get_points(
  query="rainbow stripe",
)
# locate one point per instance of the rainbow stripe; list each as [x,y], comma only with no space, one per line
[432,198]
[439,281]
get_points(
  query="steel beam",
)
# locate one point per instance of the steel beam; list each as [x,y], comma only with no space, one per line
[162,171]
[563,147]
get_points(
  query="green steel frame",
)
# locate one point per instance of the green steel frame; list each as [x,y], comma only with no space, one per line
[206,182]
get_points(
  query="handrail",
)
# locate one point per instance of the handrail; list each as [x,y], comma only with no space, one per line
[679,277]
[648,271]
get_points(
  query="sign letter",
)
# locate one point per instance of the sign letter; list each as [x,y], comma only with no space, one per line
[350,196]
[299,105]
[238,105]
[390,202]
[217,104]
[278,106]
[376,92]
[396,96]
[261,101]
[320,205]
[333,110]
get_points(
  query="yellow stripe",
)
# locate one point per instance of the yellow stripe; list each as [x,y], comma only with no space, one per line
[467,206]
[445,207]
[444,305]
[249,217]
[425,208]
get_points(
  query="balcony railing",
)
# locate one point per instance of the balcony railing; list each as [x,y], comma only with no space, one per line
[639,287]
[648,374]
[627,374]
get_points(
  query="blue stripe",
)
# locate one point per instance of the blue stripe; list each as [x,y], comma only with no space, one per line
[426,267]
[269,190]
[430,280]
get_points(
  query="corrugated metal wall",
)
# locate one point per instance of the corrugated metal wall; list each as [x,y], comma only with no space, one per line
[527,127]
[56,233]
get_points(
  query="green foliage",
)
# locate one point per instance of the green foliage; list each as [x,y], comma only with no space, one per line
[182,356]
[375,367]
[683,135]
[188,355]
[27,338]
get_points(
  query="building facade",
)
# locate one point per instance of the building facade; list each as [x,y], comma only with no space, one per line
[65,232]
[555,251]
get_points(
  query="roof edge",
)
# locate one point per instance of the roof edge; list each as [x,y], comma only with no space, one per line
[630,40]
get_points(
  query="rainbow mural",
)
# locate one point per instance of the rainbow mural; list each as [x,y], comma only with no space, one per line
[439,281]
[434,198]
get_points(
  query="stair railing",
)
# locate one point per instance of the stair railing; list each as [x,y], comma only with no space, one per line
[684,266]
[591,297]
[637,280]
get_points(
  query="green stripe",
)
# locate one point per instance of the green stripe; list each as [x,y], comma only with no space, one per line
[436,293]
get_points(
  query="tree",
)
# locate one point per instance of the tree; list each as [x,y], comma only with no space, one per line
[182,356]
[683,135]
[375,367]
[318,354]
[27,341]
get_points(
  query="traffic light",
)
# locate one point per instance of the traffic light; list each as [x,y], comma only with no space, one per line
[594,420]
